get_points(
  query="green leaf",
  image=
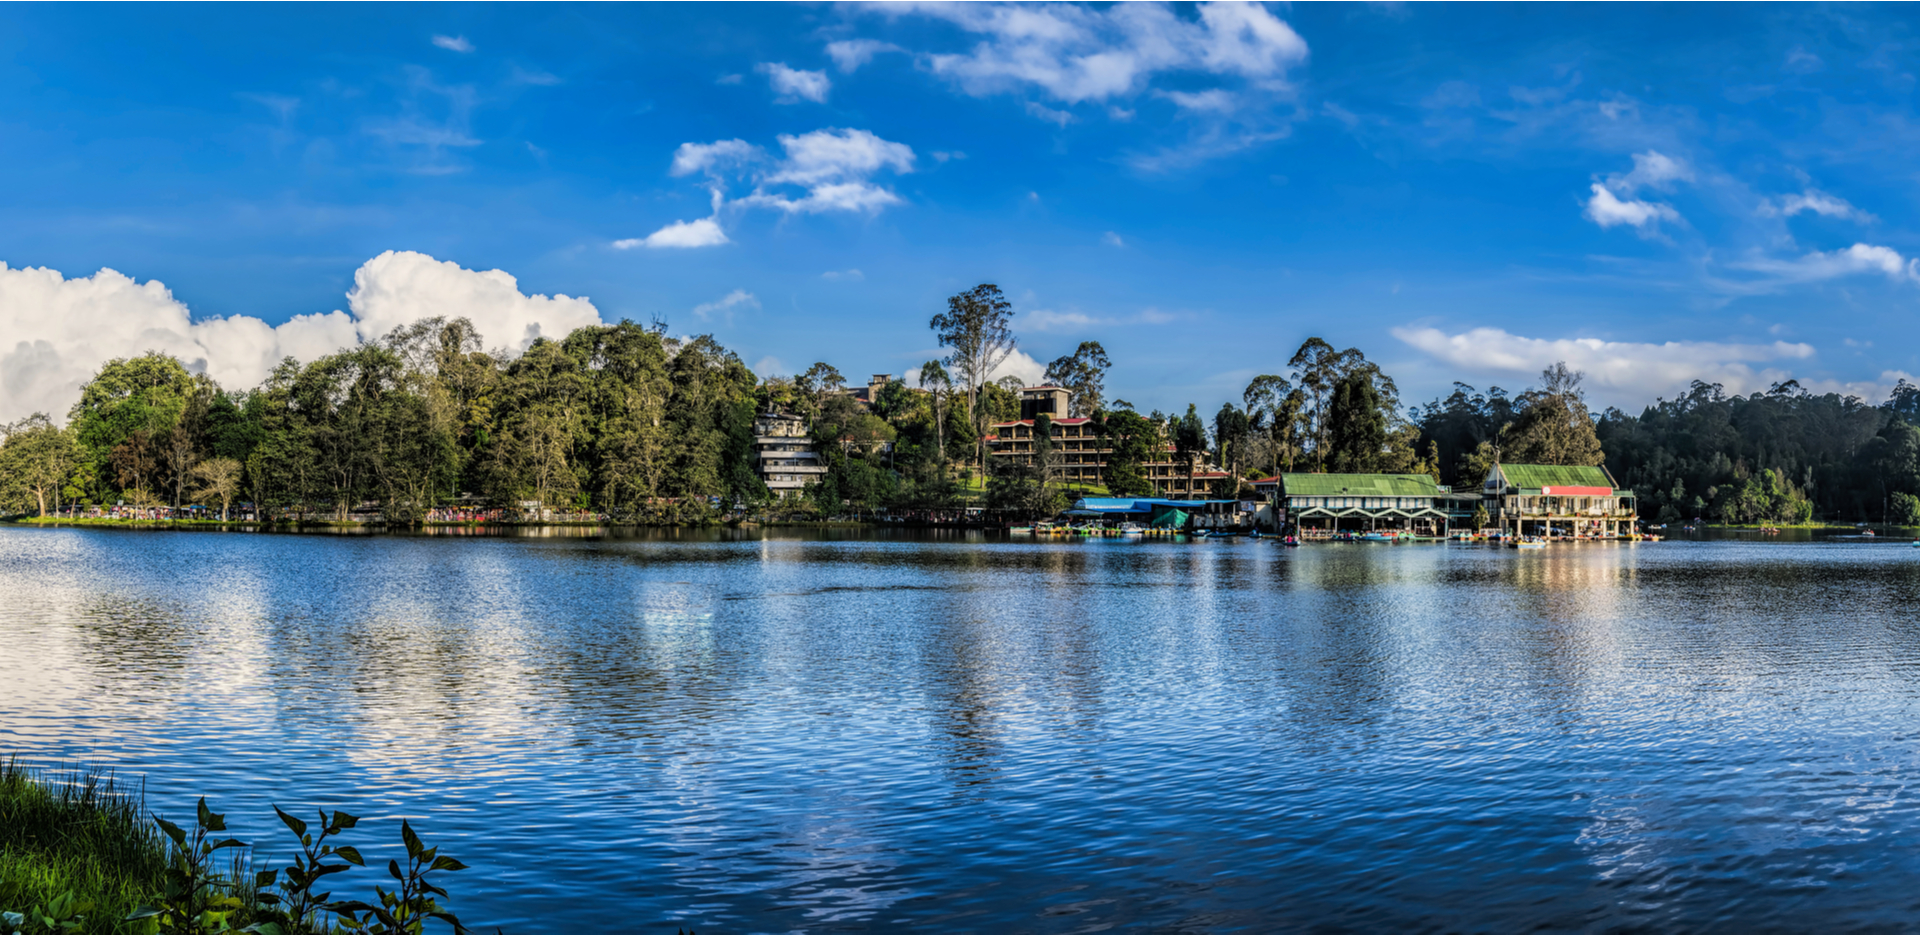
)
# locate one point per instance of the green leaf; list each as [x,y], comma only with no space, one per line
[208,819]
[351,855]
[412,840]
[343,821]
[265,928]
[265,878]
[172,830]
[298,827]
[393,867]
[448,863]
[144,912]
[226,842]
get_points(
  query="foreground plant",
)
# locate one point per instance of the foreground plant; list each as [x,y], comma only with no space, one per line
[193,897]
[300,907]
[406,910]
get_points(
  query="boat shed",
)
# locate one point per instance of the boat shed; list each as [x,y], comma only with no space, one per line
[1325,504]
[1574,500]
[1157,511]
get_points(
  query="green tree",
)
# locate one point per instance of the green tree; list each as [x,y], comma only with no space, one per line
[35,461]
[219,480]
[1554,426]
[1905,509]
[141,396]
[977,326]
[1083,373]
[1189,440]
[1358,417]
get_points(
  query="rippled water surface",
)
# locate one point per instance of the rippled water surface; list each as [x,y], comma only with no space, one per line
[794,734]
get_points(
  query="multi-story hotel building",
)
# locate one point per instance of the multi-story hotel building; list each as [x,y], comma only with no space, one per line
[1083,452]
[785,457]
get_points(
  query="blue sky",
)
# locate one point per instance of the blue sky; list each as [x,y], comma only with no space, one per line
[1655,193]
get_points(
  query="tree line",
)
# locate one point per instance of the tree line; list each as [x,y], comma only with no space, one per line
[625,421]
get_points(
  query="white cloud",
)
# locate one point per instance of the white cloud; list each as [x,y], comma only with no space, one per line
[830,155]
[1607,210]
[729,79]
[453,43]
[1112,239]
[1612,202]
[1653,170]
[848,55]
[793,84]
[726,305]
[712,157]
[837,275]
[834,167]
[1818,202]
[769,366]
[1019,364]
[1077,54]
[399,288]
[61,330]
[941,155]
[1642,368]
[1816,266]
[1045,319]
[704,232]
[1060,117]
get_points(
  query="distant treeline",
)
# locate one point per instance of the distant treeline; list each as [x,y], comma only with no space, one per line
[625,421]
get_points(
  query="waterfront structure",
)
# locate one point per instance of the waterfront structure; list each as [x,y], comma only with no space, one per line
[1081,452]
[1164,513]
[1324,504]
[1558,500]
[784,455]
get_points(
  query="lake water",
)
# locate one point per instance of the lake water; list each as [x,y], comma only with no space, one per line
[801,733]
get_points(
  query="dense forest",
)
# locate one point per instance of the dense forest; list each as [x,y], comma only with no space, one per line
[626,422]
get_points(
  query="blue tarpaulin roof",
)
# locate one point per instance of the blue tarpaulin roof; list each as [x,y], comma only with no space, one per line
[1107,506]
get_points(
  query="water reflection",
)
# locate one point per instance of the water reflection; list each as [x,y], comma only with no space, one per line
[779,730]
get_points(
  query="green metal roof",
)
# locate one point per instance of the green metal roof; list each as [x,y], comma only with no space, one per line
[1358,485]
[1555,475]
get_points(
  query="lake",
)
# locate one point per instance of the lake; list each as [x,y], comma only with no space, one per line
[861,731]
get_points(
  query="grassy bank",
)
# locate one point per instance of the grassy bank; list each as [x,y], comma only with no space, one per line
[76,846]
[81,855]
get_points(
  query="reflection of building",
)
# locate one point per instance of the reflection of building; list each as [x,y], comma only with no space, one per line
[1082,452]
[786,459]
[1558,499]
[1329,503]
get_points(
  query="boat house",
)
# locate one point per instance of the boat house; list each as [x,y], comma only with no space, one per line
[1162,513]
[1325,504]
[1570,500]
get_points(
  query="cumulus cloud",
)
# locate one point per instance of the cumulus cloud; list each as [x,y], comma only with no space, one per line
[1606,209]
[704,232]
[453,43]
[849,54]
[726,305]
[1641,368]
[791,85]
[1020,364]
[1612,202]
[823,171]
[60,331]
